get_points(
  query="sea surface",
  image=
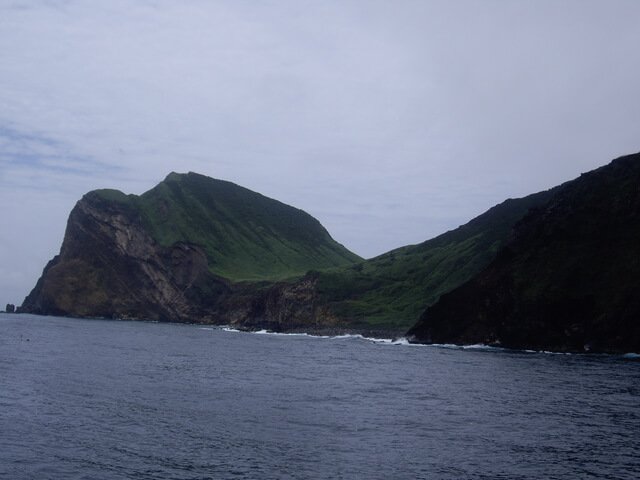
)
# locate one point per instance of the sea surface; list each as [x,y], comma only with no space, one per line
[99,399]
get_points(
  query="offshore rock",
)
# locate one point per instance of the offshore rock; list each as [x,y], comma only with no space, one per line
[567,280]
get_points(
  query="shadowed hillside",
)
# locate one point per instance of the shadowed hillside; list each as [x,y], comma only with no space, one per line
[568,280]
[392,290]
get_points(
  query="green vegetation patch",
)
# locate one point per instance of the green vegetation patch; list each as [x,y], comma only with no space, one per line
[245,235]
[391,291]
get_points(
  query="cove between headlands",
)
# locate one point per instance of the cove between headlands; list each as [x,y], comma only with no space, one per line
[557,270]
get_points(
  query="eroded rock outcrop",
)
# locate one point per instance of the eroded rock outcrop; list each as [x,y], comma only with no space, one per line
[109,266]
[280,307]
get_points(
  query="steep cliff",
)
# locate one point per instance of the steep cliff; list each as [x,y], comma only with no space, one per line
[109,266]
[567,280]
[281,307]
[177,253]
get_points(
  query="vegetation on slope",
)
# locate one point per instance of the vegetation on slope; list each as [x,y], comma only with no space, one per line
[245,235]
[249,237]
[391,291]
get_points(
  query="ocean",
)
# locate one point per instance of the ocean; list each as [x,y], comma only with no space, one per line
[104,399]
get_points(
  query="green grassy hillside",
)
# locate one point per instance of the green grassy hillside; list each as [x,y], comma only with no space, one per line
[391,291]
[248,237]
[245,235]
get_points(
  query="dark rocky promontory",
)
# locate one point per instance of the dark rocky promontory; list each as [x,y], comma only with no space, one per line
[568,279]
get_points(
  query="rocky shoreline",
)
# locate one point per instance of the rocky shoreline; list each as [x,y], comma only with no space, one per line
[330,332]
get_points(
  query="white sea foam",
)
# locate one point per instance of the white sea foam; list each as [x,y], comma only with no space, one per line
[265,332]
[482,346]
[631,355]
[234,330]
[400,341]
[381,341]
[477,346]
[389,341]
[346,336]
[279,334]
[486,348]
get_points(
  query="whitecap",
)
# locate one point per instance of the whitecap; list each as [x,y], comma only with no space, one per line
[346,335]
[234,330]
[475,347]
[389,341]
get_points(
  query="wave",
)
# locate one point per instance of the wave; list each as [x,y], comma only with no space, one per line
[346,336]
[478,347]
[488,348]
[265,332]
[631,355]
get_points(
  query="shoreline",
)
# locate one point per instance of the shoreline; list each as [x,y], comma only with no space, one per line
[318,331]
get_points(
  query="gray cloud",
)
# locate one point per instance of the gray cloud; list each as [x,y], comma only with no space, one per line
[391,122]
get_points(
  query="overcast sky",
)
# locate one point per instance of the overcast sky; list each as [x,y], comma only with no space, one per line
[389,121]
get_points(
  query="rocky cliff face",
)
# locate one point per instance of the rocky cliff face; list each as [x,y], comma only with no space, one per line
[109,266]
[567,280]
[280,307]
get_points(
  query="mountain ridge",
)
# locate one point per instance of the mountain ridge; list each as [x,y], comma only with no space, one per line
[195,208]
[196,249]
[167,254]
[567,280]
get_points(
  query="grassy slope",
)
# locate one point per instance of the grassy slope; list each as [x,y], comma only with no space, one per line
[391,291]
[250,237]
[245,235]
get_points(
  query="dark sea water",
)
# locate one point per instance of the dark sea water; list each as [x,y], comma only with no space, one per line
[92,399]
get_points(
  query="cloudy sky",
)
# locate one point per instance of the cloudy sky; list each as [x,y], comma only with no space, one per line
[389,121]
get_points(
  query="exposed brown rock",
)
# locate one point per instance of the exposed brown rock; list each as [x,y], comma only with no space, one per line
[280,307]
[109,266]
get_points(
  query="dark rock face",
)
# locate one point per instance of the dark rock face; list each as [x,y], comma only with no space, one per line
[280,307]
[567,280]
[11,308]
